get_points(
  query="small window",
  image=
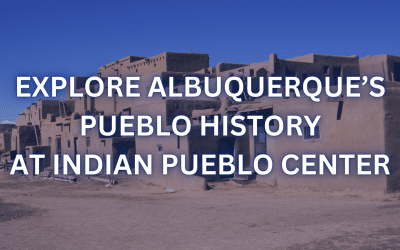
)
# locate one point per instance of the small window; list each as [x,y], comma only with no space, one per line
[49,142]
[339,111]
[179,142]
[69,144]
[307,134]
[159,148]
[326,69]
[154,65]
[87,141]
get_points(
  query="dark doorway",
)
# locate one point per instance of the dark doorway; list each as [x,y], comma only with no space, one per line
[92,105]
[124,147]
[75,146]
[58,144]
[58,150]
[260,147]
[227,147]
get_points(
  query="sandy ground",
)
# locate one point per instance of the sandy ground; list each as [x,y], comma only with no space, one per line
[44,214]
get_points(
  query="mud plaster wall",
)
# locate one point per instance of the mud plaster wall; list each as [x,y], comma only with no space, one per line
[43,163]
[359,131]
[392,134]
[210,144]
[25,137]
[5,141]
[48,107]
[203,145]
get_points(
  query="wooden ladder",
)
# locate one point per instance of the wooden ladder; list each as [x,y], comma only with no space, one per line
[61,106]
[38,139]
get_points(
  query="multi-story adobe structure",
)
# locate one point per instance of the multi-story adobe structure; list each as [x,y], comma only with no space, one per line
[364,125]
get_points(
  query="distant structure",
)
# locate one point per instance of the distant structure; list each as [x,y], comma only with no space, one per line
[363,125]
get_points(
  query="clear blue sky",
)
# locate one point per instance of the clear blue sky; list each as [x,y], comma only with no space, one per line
[74,38]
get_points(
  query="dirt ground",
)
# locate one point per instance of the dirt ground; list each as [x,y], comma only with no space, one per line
[49,214]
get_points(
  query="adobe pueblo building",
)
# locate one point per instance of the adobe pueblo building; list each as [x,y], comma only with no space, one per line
[364,125]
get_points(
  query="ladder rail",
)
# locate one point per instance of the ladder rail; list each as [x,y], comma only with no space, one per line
[62,108]
[38,142]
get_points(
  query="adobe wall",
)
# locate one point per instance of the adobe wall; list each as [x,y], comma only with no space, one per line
[44,107]
[366,125]
[50,131]
[159,146]
[360,130]
[186,62]
[43,163]
[392,130]
[374,66]
[79,88]
[115,105]
[210,144]
[6,127]
[24,118]
[167,61]
[25,137]
[5,141]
